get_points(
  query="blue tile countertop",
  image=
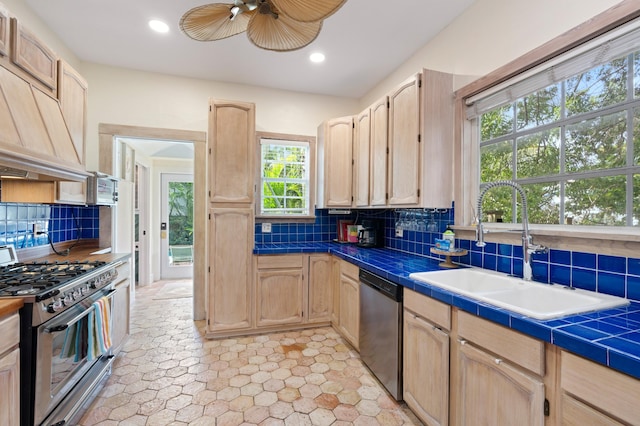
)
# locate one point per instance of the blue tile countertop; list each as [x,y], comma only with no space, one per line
[610,337]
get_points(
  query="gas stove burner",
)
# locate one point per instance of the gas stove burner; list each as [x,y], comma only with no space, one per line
[22,279]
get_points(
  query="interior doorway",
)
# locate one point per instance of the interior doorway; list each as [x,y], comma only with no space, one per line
[107,135]
[176,227]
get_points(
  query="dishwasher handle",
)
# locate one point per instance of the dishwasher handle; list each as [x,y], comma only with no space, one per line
[382,285]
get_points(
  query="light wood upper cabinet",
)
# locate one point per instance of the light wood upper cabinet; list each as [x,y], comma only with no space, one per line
[71,193]
[379,152]
[404,143]
[72,93]
[33,56]
[436,168]
[280,290]
[361,151]
[492,391]
[320,288]
[335,155]
[231,241]
[5,30]
[232,150]
[27,191]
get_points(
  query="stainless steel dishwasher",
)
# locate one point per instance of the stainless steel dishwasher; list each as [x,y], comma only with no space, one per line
[381,330]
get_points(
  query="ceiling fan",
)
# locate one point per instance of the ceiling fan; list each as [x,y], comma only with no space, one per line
[280,25]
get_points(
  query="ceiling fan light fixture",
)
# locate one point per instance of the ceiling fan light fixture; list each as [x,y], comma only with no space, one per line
[317,57]
[279,25]
[158,26]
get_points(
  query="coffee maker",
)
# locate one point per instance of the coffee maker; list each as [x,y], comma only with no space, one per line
[372,233]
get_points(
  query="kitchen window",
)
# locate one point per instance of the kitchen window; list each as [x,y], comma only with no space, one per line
[287,171]
[569,133]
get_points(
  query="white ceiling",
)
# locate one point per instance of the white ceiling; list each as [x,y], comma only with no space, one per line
[364,42]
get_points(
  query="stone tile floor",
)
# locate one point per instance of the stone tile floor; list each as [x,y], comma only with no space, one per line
[169,374]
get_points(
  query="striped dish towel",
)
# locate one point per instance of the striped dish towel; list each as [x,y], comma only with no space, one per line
[99,328]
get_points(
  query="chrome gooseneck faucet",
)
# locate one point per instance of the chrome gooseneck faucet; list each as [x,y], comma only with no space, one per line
[527,242]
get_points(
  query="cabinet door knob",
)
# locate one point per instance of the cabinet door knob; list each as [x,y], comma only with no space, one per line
[462,342]
[498,361]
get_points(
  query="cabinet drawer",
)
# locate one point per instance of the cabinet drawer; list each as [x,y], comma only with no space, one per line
[437,312]
[280,261]
[9,332]
[575,413]
[612,392]
[520,349]
[350,270]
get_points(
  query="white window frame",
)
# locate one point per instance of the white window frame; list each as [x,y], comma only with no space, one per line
[467,165]
[286,139]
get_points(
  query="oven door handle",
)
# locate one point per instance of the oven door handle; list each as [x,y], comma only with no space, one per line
[62,327]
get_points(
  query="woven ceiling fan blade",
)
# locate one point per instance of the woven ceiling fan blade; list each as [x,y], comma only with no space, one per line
[281,34]
[308,10]
[213,22]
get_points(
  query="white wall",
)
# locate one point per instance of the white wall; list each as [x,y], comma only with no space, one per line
[120,96]
[492,33]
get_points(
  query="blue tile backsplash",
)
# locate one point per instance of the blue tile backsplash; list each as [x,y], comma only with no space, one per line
[58,223]
[615,275]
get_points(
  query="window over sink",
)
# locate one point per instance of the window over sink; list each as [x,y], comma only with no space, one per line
[568,131]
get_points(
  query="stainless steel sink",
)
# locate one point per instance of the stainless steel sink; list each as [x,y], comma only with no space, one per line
[536,300]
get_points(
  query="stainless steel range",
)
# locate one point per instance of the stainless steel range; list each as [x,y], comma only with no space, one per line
[60,369]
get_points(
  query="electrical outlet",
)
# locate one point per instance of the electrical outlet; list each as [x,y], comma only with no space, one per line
[399,232]
[37,228]
[266,228]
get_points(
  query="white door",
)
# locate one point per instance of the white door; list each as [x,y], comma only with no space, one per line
[176,227]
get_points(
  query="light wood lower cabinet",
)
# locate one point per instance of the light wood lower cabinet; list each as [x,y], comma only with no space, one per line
[320,288]
[230,292]
[499,375]
[593,394]
[291,291]
[492,391]
[349,325]
[280,292]
[9,370]
[335,291]
[120,308]
[426,358]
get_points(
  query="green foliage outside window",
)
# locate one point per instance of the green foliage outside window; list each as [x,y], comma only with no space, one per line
[285,179]
[180,213]
[574,147]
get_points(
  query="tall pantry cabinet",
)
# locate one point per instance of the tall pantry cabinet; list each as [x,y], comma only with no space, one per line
[231,143]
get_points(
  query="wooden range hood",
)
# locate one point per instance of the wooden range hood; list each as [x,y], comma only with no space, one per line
[35,142]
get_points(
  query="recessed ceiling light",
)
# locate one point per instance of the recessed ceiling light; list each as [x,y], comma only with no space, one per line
[316,57]
[158,26]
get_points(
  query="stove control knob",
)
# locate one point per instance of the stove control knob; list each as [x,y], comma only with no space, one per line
[93,284]
[77,293]
[56,306]
[68,299]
